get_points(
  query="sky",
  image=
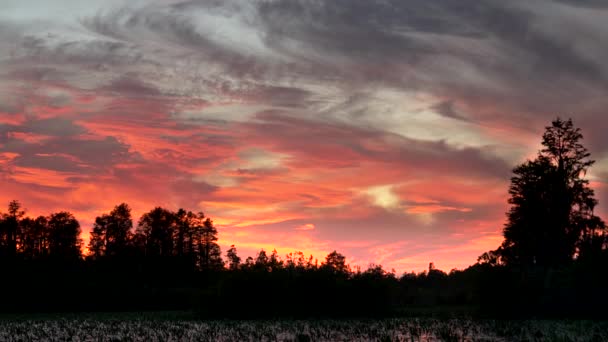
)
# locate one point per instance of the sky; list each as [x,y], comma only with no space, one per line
[386,130]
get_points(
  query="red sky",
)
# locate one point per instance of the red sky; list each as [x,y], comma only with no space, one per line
[384,133]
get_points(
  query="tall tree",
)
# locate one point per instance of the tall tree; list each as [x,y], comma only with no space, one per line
[182,228]
[336,263]
[296,260]
[9,229]
[34,237]
[119,230]
[157,227]
[552,219]
[64,236]
[209,250]
[97,240]
[274,262]
[187,233]
[111,232]
[234,261]
[261,261]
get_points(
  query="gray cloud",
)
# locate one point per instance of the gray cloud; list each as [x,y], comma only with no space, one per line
[70,153]
[446,108]
[513,58]
[484,55]
[60,127]
[504,41]
[594,4]
[49,162]
[485,58]
[335,145]
[131,86]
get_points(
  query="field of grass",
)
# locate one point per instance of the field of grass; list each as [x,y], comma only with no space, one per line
[178,327]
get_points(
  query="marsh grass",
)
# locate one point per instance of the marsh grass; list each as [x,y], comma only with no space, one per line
[179,326]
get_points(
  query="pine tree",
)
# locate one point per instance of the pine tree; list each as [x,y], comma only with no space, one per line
[209,250]
[552,219]
[111,232]
[233,258]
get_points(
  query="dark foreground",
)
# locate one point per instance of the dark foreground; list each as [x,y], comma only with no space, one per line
[183,327]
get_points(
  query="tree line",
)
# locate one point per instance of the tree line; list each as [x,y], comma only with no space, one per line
[181,237]
[552,261]
[160,233]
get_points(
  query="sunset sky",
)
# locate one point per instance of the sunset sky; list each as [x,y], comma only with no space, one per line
[386,130]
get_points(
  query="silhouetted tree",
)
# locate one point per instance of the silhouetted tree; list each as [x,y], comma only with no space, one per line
[375,271]
[249,263]
[234,261]
[97,237]
[157,228]
[34,237]
[489,258]
[111,232]
[274,262]
[119,230]
[434,275]
[187,236]
[295,260]
[261,261]
[64,236]
[9,229]
[336,263]
[209,250]
[181,231]
[551,218]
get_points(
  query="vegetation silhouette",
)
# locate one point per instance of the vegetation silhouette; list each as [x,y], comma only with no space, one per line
[552,215]
[552,261]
